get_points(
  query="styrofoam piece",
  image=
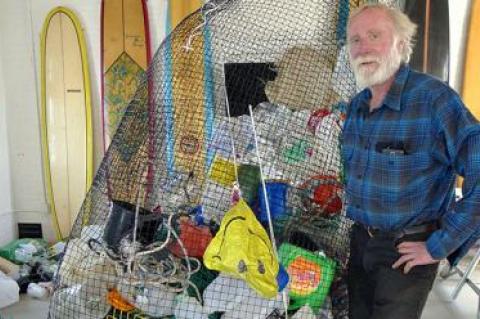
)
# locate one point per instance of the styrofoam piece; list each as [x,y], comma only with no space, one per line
[238,301]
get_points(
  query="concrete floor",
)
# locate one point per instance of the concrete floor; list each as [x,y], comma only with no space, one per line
[439,304]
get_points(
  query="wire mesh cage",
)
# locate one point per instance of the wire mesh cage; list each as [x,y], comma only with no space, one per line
[221,193]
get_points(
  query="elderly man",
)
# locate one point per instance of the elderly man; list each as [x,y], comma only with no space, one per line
[406,137]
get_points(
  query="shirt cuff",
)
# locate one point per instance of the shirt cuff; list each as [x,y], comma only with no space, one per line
[440,244]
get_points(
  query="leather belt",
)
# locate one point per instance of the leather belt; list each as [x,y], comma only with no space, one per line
[411,230]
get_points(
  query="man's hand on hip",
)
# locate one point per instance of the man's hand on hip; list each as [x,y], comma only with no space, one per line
[413,254]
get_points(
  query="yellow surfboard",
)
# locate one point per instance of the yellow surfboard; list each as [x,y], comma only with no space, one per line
[65,117]
[125,57]
[471,78]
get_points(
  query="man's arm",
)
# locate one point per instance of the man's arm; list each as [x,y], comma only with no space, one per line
[457,146]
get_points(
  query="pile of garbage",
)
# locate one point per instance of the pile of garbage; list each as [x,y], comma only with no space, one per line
[258,241]
[27,265]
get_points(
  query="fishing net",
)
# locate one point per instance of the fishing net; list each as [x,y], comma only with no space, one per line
[221,193]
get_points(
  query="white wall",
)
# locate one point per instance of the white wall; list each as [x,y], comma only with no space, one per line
[20,26]
[6,214]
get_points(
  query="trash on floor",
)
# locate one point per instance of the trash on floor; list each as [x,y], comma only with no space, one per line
[9,291]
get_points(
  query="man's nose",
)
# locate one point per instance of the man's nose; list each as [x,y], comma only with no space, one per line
[362,48]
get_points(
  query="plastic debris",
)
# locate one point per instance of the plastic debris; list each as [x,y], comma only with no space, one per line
[9,291]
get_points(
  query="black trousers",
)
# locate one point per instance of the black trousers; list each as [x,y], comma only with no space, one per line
[376,291]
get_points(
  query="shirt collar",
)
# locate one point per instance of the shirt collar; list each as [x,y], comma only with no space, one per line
[393,97]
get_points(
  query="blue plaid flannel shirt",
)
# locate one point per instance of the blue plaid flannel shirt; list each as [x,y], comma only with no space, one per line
[401,161]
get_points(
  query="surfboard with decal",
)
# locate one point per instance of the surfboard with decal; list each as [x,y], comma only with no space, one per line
[125,57]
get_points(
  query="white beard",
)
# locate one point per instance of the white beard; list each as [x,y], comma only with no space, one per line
[383,68]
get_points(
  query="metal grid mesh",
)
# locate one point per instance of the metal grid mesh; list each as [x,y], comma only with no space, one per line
[188,148]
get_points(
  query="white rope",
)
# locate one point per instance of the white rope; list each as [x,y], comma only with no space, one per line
[267,204]
[262,178]
[207,9]
[162,246]
[161,278]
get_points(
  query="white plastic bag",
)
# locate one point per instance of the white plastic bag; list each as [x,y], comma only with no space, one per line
[9,291]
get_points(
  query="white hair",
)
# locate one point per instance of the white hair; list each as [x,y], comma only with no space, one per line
[405,30]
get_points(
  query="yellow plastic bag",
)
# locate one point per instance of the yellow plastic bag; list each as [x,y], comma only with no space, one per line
[243,249]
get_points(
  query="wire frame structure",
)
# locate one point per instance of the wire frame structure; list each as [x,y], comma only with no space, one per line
[221,193]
